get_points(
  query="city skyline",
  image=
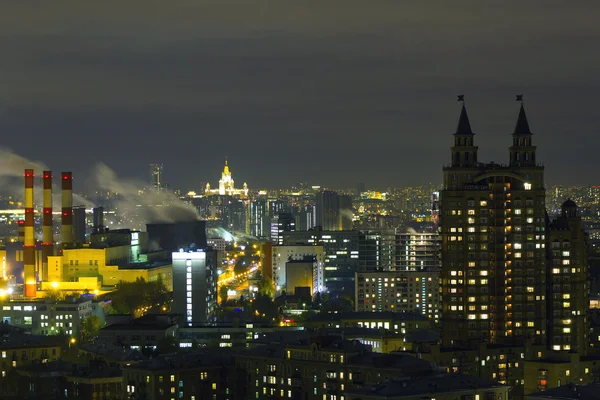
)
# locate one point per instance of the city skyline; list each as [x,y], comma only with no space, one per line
[365,93]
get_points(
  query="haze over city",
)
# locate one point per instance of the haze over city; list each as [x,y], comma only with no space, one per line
[330,93]
[334,200]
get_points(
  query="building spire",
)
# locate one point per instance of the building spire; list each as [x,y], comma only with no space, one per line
[522,127]
[464,126]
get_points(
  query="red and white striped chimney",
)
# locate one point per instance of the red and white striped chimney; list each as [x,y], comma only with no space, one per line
[29,245]
[66,229]
[47,231]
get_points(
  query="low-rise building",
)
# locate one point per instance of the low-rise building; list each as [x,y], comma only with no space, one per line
[47,317]
[438,387]
[67,380]
[326,367]
[202,374]
[108,354]
[401,323]
[139,334]
[568,392]
[235,334]
[19,350]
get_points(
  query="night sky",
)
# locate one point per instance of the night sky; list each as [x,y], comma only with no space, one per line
[327,92]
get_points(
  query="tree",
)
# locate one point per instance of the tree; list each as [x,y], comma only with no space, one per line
[90,327]
[223,293]
[54,296]
[266,287]
[136,297]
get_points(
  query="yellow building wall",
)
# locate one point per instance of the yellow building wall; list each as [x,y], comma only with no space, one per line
[166,273]
[75,265]
[89,283]
[557,373]
[111,275]
[55,268]
[3,271]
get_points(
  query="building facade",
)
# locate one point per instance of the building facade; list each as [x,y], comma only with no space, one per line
[399,291]
[568,279]
[493,242]
[195,285]
[283,254]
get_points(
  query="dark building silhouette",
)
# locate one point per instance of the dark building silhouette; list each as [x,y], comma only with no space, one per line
[177,235]
[328,210]
[79,226]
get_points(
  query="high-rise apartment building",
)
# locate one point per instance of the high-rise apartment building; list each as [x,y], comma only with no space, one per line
[283,222]
[399,291]
[259,218]
[377,250]
[195,285]
[493,242]
[417,251]
[568,281]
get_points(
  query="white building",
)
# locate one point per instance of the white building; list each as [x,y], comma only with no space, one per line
[283,254]
[227,185]
[45,317]
[195,285]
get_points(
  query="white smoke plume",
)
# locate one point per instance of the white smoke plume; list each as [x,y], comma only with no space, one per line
[13,165]
[12,168]
[148,206]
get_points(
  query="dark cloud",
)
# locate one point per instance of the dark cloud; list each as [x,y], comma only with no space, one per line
[327,92]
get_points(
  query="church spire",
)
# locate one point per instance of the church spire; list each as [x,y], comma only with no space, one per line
[464,126]
[226,169]
[522,151]
[464,151]
[522,127]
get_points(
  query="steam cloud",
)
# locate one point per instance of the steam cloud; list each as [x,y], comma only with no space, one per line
[13,165]
[144,206]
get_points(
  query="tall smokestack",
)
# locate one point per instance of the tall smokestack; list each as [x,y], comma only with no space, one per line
[29,245]
[67,210]
[47,231]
